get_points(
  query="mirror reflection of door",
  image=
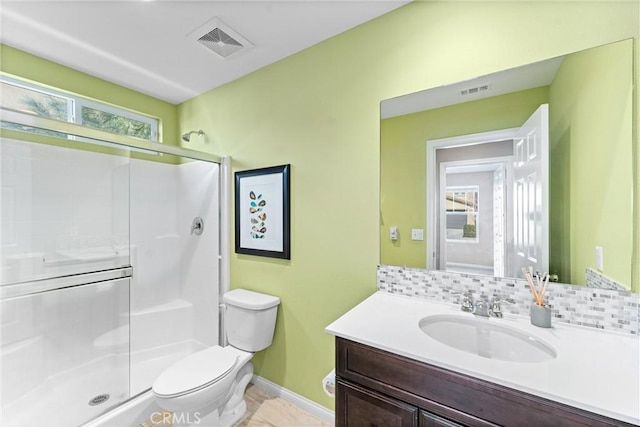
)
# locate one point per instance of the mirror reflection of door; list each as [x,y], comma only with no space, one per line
[491,191]
[531,177]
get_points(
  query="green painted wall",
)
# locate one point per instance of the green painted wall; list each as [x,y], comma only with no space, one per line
[319,111]
[590,118]
[38,70]
[403,158]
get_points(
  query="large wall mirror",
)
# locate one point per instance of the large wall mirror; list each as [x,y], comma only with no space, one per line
[531,166]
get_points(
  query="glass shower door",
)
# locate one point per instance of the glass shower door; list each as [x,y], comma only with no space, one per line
[64,211]
[79,333]
[64,281]
[64,355]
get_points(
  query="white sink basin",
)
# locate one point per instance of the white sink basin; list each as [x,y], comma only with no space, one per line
[486,337]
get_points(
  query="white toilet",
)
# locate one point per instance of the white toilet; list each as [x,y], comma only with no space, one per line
[207,388]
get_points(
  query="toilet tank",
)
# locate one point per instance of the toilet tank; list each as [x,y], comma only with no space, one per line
[250,319]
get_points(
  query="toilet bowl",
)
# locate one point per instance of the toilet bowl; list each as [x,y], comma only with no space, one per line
[203,377]
[207,388]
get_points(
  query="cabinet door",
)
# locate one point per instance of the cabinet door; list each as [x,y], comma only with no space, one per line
[359,407]
[427,419]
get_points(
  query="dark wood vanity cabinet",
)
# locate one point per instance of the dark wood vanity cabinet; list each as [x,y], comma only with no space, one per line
[376,388]
[431,420]
[366,408]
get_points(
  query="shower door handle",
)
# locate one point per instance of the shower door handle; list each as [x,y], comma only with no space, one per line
[63,282]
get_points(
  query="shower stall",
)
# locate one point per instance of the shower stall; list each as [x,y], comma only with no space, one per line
[105,278]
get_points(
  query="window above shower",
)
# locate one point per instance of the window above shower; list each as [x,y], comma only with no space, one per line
[49,103]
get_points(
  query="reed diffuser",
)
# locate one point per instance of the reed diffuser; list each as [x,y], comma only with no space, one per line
[540,312]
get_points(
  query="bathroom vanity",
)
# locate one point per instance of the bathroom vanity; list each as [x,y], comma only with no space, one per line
[391,372]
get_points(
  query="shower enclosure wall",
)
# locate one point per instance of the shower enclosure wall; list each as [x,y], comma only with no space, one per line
[103,283]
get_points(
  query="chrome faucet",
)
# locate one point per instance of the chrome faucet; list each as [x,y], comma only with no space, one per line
[467,302]
[482,307]
[495,310]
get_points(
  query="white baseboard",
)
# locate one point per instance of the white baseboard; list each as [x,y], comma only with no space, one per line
[326,415]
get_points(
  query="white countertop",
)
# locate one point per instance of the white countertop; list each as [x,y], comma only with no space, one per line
[594,370]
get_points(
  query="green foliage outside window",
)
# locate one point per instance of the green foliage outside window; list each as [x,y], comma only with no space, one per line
[469,230]
[115,124]
[48,104]
[49,107]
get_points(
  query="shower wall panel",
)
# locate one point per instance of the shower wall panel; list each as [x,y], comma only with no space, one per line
[154,234]
[199,196]
[174,310]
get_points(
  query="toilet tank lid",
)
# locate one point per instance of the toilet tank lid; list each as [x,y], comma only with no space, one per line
[250,300]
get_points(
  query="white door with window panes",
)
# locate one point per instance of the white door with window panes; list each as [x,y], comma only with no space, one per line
[531,194]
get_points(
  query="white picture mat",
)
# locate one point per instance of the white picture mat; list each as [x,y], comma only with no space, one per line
[270,187]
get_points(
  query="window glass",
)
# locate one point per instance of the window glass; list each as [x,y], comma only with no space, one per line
[114,123]
[462,213]
[34,102]
[44,102]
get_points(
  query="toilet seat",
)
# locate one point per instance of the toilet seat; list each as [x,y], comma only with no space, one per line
[195,372]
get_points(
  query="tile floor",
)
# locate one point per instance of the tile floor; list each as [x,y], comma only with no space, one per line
[267,410]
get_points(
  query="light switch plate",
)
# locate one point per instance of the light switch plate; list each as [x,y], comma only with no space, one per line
[599,258]
[393,233]
[417,234]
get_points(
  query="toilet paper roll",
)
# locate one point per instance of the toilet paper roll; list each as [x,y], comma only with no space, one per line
[329,383]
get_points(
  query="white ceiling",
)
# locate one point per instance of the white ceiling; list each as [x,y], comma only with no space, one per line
[145,45]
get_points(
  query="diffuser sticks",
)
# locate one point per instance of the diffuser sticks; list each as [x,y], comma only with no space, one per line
[538,289]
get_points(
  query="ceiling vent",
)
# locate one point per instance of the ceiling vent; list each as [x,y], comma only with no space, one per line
[475,90]
[220,39]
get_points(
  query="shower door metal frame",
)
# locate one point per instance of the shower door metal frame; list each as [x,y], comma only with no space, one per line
[17,117]
[32,287]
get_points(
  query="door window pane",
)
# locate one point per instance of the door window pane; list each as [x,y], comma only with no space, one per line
[461,206]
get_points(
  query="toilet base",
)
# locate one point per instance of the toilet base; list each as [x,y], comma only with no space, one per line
[224,413]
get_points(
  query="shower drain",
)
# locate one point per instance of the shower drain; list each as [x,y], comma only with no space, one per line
[101,398]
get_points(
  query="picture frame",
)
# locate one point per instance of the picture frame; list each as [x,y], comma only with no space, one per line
[262,212]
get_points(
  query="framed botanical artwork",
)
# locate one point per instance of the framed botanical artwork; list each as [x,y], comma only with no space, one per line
[262,212]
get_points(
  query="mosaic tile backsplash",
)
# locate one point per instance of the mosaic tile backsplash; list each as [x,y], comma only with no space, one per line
[599,280]
[610,309]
